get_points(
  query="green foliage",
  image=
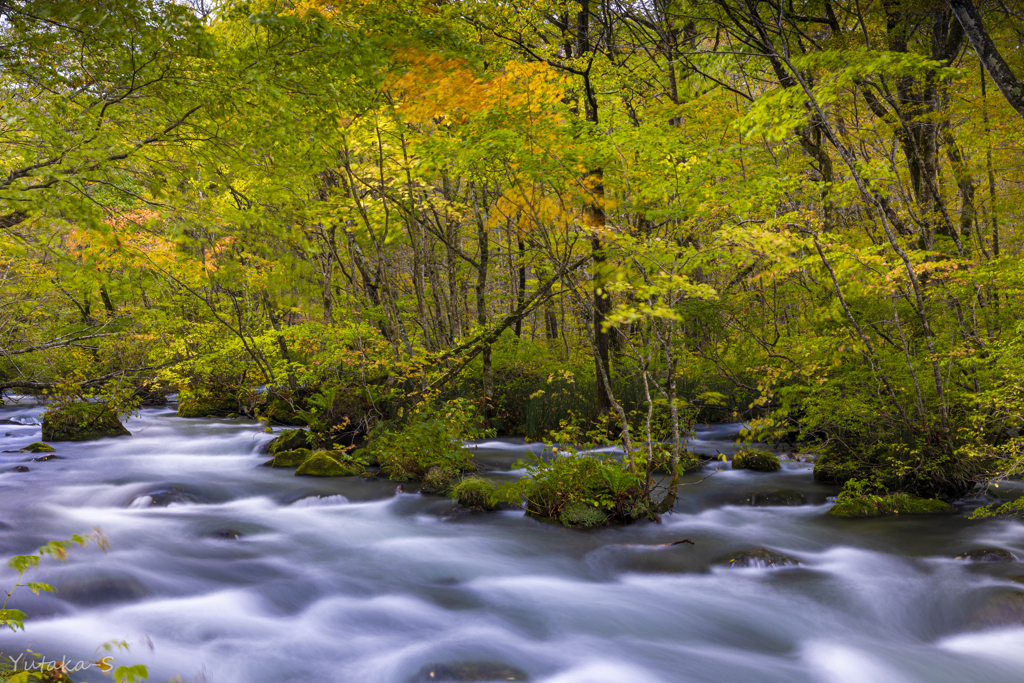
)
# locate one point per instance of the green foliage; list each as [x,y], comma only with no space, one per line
[579,514]
[433,436]
[760,461]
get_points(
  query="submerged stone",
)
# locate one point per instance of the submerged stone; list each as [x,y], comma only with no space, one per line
[44,458]
[776,498]
[19,468]
[323,465]
[482,671]
[759,461]
[100,589]
[81,421]
[761,558]
[988,555]
[1003,609]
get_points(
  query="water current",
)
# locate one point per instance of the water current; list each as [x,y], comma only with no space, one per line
[224,571]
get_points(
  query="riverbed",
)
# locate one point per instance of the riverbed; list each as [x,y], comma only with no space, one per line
[224,571]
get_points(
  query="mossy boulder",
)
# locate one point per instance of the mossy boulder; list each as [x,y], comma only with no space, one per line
[81,421]
[279,411]
[207,403]
[289,441]
[877,506]
[321,464]
[581,515]
[474,492]
[292,458]
[439,480]
[39,447]
[759,461]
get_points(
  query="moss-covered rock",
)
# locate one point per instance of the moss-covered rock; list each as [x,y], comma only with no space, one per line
[289,441]
[439,480]
[776,498]
[39,447]
[207,403]
[474,492]
[897,503]
[323,465]
[81,421]
[292,458]
[988,555]
[581,515]
[279,411]
[759,461]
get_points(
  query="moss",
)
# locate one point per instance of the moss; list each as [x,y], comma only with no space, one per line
[279,412]
[288,441]
[207,403]
[897,503]
[475,492]
[582,515]
[81,421]
[323,465]
[39,447]
[759,461]
[292,458]
[439,480]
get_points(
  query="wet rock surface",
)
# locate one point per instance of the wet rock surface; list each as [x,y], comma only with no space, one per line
[484,671]
[780,497]
[987,555]
[760,558]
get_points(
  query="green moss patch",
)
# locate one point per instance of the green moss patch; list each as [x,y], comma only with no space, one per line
[475,492]
[39,447]
[323,465]
[759,461]
[877,506]
[81,421]
[292,458]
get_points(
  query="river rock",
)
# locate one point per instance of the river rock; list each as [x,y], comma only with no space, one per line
[292,458]
[81,421]
[988,555]
[776,498]
[44,458]
[19,468]
[759,461]
[289,440]
[38,447]
[895,504]
[164,497]
[323,465]
[761,558]
[482,671]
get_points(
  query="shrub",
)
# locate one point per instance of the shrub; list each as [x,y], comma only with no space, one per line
[759,461]
[433,436]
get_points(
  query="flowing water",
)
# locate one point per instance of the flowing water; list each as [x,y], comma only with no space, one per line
[224,571]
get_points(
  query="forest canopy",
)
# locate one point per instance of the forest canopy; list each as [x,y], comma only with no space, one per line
[605,213]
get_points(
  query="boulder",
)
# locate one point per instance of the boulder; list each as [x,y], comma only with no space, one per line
[474,492]
[323,465]
[895,504]
[81,421]
[776,498]
[289,458]
[288,441]
[761,558]
[759,461]
[987,555]
[44,458]
[19,468]
[38,447]
[1005,608]
[479,671]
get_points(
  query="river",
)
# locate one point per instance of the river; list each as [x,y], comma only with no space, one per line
[224,571]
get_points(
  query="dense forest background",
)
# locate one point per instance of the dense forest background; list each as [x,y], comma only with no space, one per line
[629,215]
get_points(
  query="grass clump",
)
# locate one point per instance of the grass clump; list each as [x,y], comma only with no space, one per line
[759,461]
[475,492]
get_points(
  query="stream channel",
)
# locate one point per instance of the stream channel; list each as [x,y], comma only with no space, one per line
[224,571]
